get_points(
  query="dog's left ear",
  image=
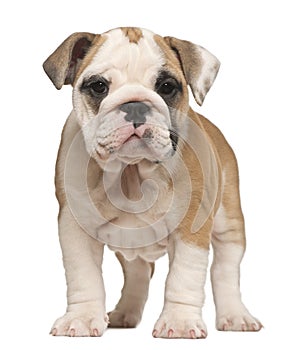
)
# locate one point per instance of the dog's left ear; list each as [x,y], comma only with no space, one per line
[62,65]
[199,66]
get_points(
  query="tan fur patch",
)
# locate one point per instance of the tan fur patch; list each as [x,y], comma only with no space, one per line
[133,34]
[173,65]
[228,191]
[61,66]
[171,58]
[97,43]
[189,57]
[68,133]
[229,198]
[201,238]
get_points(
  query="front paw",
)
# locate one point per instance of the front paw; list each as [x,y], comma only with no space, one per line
[180,324]
[237,321]
[79,325]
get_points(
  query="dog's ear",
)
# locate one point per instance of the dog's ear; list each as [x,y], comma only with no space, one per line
[199,66]
[61,66]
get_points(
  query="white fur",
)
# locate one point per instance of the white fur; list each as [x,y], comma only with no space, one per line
[210,66]
[231,314]
[82,258]
[132,70]
[123,62]
[184,295]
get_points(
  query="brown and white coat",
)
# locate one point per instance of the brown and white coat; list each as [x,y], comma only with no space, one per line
[161,178]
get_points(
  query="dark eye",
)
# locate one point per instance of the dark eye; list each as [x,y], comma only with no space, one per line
[96,86]
[166,88]
[99,87]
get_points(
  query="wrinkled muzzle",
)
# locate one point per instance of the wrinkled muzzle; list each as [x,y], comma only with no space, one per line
[133,123]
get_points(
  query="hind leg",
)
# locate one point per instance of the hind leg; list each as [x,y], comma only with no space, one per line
[137,275]
[228,240]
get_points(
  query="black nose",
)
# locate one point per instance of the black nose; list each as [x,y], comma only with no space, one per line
[135,112]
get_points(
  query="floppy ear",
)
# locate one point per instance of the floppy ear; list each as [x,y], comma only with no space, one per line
[199,66]
[61,66]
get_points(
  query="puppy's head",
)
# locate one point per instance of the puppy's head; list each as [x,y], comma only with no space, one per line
[130,89]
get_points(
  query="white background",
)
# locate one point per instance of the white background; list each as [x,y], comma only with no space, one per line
[246,102]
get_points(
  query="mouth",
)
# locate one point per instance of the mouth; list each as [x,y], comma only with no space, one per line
[145,142]
[133,137]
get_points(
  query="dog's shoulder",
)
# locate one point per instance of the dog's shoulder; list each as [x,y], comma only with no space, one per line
[224,151]
[69,132]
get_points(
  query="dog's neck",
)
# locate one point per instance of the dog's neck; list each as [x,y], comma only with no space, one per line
[131,182]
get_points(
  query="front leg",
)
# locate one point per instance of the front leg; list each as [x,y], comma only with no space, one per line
[82,258]
[184,295]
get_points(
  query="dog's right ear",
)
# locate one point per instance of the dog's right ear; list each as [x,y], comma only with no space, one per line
[62,65]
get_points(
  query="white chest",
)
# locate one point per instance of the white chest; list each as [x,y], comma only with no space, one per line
[149,253]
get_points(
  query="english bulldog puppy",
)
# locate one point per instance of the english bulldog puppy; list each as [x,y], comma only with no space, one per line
[139,171]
